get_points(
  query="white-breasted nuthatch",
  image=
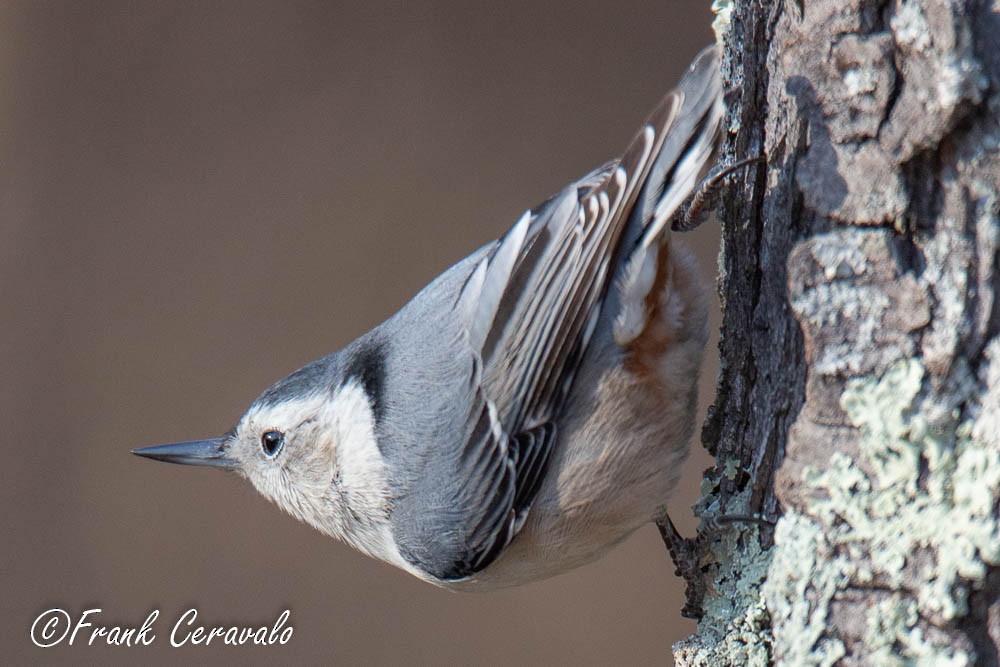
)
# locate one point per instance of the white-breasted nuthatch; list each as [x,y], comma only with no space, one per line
[528,409]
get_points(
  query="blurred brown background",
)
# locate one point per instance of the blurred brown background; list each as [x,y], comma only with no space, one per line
[197,199]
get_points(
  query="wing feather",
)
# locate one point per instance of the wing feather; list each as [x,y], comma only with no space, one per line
[532,304]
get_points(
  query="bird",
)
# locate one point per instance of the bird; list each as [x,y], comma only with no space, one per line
[528,409]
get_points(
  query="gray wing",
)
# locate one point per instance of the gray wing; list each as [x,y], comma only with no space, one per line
[529,308]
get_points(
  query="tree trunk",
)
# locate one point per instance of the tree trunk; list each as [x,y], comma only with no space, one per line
[859,393]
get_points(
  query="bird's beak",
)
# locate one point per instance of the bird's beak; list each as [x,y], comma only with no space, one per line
[193,453]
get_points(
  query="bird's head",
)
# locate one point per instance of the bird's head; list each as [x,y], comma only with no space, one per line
[308,444]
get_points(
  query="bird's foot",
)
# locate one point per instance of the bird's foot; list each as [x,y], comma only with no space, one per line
[687,553]
[700,204]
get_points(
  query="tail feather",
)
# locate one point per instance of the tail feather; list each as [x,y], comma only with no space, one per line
[690,133]
[688,144]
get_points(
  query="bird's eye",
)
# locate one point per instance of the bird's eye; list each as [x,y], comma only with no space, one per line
[271,442]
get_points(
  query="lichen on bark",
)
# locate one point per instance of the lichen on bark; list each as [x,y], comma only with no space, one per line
[860,362]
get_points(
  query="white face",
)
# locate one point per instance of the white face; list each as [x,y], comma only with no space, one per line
[316,457]
[287,455]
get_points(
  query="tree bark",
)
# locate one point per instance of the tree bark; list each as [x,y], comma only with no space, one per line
[859,391]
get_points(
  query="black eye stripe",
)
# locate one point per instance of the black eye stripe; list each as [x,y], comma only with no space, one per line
[271,442]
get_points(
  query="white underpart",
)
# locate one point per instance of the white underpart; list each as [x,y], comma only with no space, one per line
[364,475]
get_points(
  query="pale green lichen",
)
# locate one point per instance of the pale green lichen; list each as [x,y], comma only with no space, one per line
[918,488]
[910,26]
[893,624]
[735,627]
[803,578]
[841,256]
[827,305]
[744,640]
[957,77]
[947,509]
